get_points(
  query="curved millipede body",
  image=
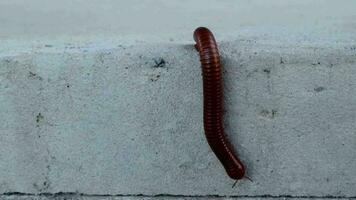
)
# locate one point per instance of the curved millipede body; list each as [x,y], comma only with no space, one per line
[213,103]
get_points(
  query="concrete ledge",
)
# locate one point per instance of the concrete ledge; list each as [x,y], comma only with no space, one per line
[127,119]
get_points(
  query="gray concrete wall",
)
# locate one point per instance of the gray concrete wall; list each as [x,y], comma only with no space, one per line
[85,111]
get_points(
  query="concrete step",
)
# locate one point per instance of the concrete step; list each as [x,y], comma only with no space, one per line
[117,112]
[127,119]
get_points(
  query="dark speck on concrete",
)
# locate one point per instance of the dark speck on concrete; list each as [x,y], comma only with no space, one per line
[274,113]
[281,61]
[268,114]
[41,187]
[34,76]
[317,63]
[159,63]
[121,46]
[319,89]
[267,71]
[31,74]
[155,78]
[39,118]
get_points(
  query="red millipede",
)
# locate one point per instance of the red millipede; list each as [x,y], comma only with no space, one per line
[213,103]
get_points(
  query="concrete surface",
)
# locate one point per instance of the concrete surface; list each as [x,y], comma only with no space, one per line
[174,20]
[113,121]
[95,105]
[78,197]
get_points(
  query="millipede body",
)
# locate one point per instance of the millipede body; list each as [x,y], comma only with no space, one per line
[213,103]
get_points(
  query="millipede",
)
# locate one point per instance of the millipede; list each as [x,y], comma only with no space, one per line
[213,103]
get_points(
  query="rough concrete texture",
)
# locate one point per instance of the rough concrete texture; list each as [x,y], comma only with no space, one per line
[78,197]
[128,120]
[94,104]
